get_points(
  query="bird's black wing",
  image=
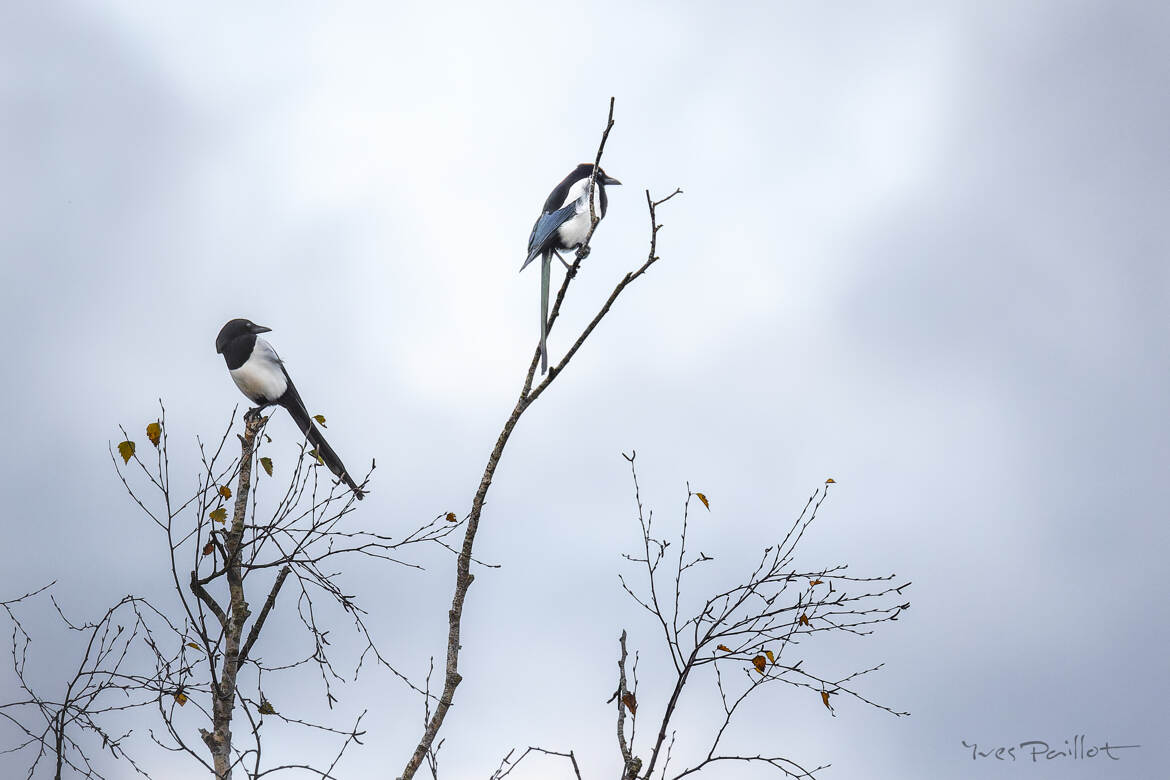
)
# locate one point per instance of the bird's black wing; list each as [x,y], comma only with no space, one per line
[291,400]
[544,229]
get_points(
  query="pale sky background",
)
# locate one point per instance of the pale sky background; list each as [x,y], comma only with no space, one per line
[922,250]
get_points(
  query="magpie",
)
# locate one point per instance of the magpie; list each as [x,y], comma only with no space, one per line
[563,224]
[261,376]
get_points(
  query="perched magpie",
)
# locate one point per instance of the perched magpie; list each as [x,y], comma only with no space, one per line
[563,224]
[260,374]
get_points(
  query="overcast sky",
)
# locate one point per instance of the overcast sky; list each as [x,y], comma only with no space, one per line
[921,250]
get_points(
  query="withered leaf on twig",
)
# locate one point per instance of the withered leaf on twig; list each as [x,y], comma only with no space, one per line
[126,450]
[759,663]
[703,498]
[219,514]
[630,702]
[266,464]
[154,433]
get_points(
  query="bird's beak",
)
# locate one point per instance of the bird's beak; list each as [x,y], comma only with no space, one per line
[261,329]
[610,181]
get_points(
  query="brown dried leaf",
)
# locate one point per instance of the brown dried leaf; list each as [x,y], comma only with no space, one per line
[266,464]
[759,663]
[630,702]
[126,450]
[451,518]
[703,498]
[724,648]
[825,699]
[830,481]
[804,620]
[154,433]
[209,548]
[181,698]
[219,514]
[814,583]
[771,658]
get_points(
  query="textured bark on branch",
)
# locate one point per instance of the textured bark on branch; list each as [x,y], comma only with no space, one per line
[219,740]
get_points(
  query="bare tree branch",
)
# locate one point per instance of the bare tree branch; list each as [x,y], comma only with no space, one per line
[463,575]
[751,626]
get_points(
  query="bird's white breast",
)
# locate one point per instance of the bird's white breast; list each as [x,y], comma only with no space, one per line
[574,229]
[261,378]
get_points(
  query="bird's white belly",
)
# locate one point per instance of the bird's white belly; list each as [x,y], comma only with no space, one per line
[573,231]
[260,380]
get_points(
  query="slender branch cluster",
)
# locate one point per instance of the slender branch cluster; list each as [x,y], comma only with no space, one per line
[221,565]
[64,731]
[746,635]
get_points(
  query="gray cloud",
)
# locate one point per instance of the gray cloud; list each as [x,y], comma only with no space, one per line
[919,251]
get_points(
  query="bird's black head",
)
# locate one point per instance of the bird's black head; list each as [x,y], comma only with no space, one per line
[234,329]
[584,170]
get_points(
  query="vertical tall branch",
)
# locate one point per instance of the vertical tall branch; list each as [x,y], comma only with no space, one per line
[528,394]
[219,740]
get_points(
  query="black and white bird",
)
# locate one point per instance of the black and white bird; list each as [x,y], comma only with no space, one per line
[563,224]
[261,376]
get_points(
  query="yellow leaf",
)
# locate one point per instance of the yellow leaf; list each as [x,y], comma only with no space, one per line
[266,462]
[126,450]
[631,703]
[320,418]
[193,646]
[703,498]
[225,491]
[314,453]
[724,648]
[759,663]
[451,518]
[804,620]
[266,708]
[771,658]
[825,699]
[209,548]
[181,698]
[830,481]
[219,514]
[154,433]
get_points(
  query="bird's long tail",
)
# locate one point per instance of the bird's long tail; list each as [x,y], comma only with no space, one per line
[545,273]
[300,415]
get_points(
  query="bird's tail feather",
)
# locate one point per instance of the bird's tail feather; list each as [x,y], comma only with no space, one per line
[545,273]
[300,415]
